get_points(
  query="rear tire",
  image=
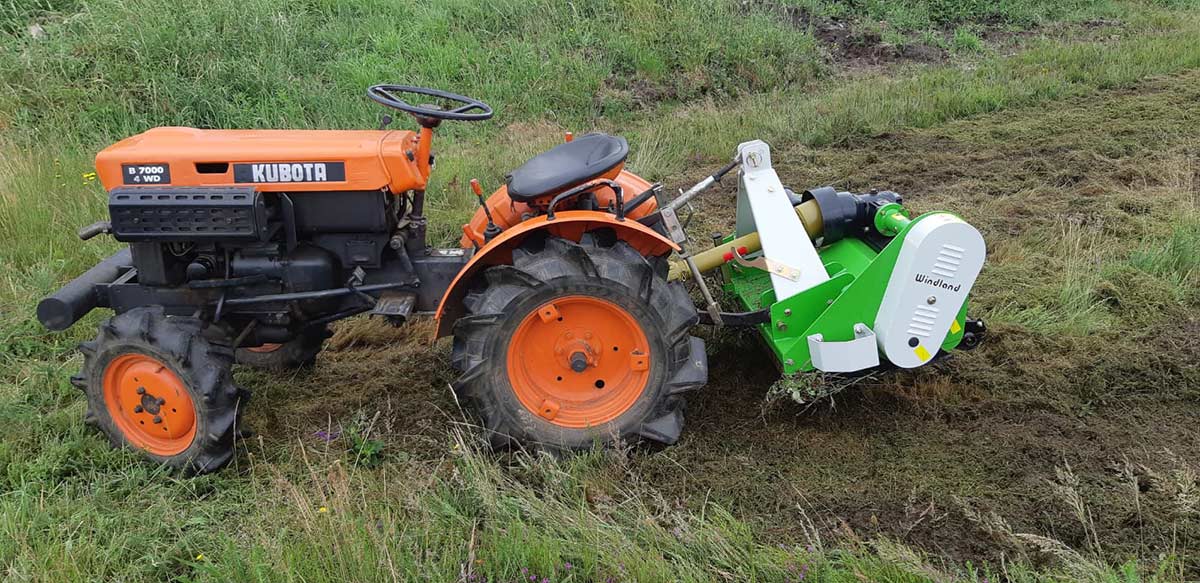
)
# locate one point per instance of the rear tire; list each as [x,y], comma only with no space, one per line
[155,384]
[526,322]
[298,352]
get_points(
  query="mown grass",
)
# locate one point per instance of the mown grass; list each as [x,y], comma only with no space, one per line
[688,82]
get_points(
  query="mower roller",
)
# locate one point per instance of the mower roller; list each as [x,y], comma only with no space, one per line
[565,298]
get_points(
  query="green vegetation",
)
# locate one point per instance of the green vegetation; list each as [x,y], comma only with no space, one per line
[1084,187]
[125,65]
[916,15]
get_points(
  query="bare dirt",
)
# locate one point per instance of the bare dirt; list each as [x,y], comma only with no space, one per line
[920,457]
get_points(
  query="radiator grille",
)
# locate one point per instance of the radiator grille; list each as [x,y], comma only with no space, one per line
[187,214]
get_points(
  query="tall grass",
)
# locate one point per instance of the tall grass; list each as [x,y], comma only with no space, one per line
[120,66]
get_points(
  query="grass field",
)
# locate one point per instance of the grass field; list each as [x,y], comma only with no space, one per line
[1063,449]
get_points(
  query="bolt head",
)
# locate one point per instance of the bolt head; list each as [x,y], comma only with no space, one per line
[157,419]
[141,390]
[931,300]
[781,325]
[787,312]
[790,362]
[579,362]
[161,401]
[138,409]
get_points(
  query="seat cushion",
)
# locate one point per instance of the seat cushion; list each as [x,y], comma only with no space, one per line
[567,165]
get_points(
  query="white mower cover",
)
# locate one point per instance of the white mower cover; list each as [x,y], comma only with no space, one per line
[938,263]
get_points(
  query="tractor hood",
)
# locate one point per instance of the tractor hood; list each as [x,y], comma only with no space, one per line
[272,160]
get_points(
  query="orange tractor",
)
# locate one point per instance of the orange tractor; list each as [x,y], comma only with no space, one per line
[243,246]
[570,325]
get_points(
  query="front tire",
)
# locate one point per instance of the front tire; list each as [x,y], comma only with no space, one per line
[298,352]
[155,384]
[576,343]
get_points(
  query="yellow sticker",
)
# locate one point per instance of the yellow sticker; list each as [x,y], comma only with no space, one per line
[954,327]
[921,353]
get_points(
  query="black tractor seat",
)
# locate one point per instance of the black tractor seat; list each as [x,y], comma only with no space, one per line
[566,165]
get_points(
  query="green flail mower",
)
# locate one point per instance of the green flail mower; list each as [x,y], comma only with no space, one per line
[834,281]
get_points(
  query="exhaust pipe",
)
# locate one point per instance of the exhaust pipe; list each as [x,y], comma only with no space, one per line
[67,305]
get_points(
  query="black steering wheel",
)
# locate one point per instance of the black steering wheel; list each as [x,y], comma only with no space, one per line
[471,109]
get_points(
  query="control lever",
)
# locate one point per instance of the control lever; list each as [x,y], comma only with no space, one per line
[492,230]
[96,228]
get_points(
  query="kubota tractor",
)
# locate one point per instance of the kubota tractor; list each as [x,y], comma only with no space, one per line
[570,323]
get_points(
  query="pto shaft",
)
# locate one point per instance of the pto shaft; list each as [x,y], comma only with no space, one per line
[810,216]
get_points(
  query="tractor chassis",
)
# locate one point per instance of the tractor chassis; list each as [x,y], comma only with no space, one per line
[113,284]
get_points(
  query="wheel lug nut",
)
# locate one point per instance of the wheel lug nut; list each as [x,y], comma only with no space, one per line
[141,390]
[579,362]
[157,419]
[138,409]
[162,401]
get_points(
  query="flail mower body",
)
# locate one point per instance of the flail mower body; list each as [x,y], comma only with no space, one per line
[841,282]
[570,324]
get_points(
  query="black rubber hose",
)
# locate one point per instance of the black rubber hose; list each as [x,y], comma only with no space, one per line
[641,199]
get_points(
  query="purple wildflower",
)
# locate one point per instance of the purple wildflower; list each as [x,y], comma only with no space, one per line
[568,566]
[327,436]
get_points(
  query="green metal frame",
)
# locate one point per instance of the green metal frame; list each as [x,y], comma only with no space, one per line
[858,278]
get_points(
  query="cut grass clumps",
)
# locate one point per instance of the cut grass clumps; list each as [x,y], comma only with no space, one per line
[1057,282]
[1086,281]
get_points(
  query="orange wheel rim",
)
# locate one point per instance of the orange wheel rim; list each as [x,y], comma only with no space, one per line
[579,361]
[269,347]
[149,404]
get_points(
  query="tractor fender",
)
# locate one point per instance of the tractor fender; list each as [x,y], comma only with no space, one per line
[566,224]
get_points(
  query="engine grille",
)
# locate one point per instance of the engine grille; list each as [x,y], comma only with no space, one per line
[187,214]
